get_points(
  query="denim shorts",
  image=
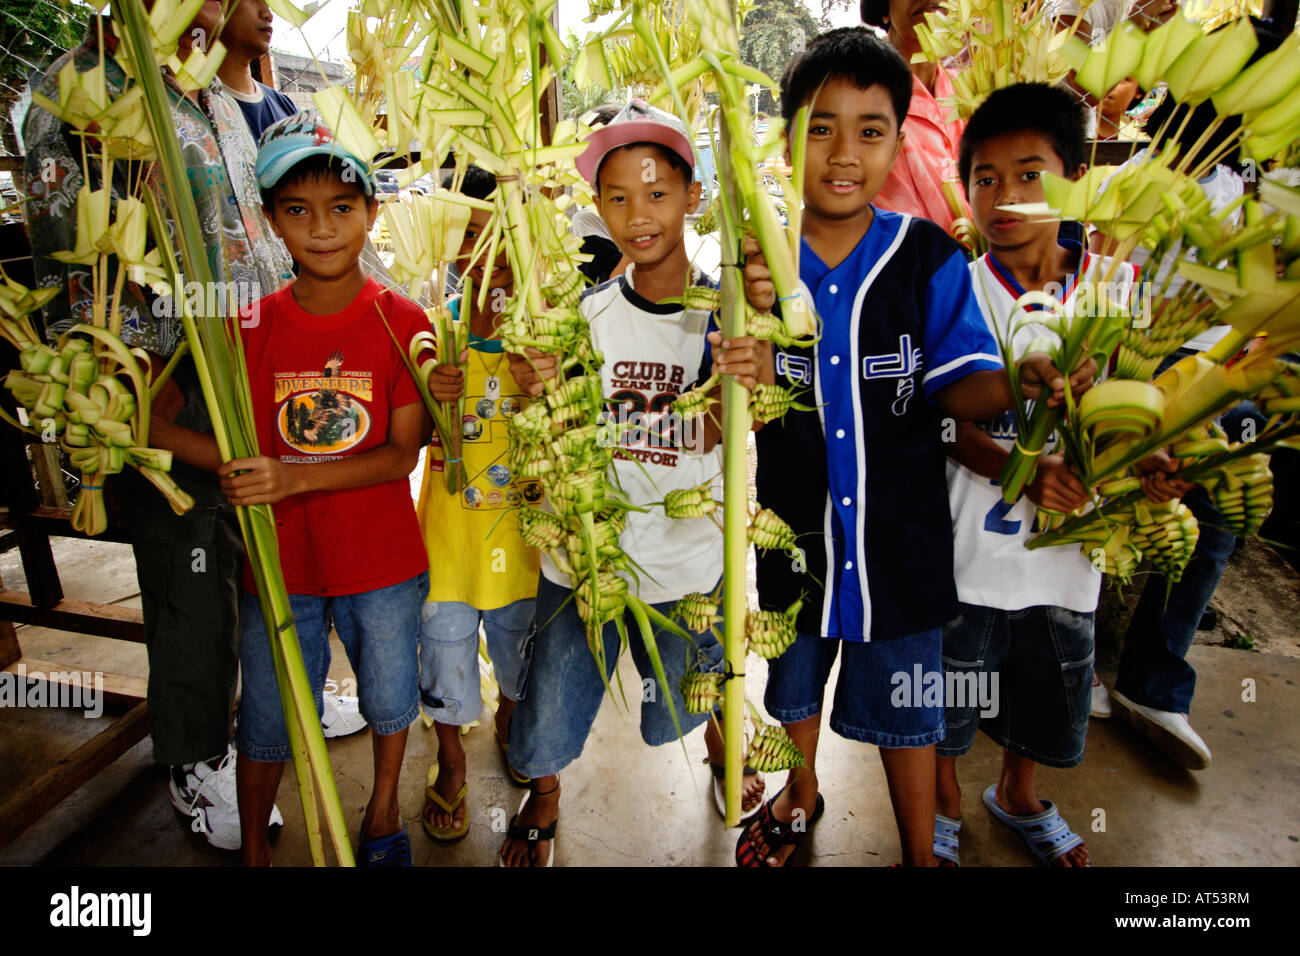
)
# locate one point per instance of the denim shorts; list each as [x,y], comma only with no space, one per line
[1033,669]
[874,699]
[449,674]
[380,631]
[563,688]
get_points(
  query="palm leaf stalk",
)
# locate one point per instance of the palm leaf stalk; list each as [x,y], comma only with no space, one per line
[218,358]
[92,394]
[736,426]
[720,40]
[1074,338]
[739,196]
[999,43]
[1158,205]
[479,98]
[1236,475]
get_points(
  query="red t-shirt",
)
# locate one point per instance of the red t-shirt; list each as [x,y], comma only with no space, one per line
[323,388]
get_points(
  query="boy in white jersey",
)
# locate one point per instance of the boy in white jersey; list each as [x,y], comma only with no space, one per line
[641,167]
[1025,630]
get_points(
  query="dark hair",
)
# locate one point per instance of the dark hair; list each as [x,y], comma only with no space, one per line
[604,113]
[874,12]
[477,184]
[1185,135]
[1051,111]
[673,160]
[853,54]
[316,166]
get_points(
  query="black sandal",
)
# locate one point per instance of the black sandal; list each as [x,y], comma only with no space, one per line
[776,833]
[531,835]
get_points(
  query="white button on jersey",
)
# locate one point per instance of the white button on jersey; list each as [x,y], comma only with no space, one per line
[848,565]
[834,289]
[835,360]
[846,501]
[839,433]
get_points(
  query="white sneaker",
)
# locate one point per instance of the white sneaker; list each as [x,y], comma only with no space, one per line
[184,783]
[1100,699]
[340,715]
[215,809]
[1169,731]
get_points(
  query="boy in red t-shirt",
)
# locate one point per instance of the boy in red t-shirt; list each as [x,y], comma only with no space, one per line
[340,423]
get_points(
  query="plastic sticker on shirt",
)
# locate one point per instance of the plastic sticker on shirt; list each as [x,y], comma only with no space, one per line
[491,486]
[324,414]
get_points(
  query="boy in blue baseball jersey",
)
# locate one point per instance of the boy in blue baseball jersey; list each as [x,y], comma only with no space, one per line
[903,354]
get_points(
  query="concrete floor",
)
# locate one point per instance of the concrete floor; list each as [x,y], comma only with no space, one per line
[626,804]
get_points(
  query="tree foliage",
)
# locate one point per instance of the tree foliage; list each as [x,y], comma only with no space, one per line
[32,34]
[772,34]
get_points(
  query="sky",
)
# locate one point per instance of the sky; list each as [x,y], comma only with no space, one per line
[325,33]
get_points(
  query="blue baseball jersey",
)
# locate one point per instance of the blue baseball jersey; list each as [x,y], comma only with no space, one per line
[862,478]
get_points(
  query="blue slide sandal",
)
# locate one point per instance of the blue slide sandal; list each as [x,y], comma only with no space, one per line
[391,850]
[945,838]
[1047,834]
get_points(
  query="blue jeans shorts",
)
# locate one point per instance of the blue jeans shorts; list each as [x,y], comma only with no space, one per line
[380,631]
[1031,676]
[870,704]
[563,689]
[449,675]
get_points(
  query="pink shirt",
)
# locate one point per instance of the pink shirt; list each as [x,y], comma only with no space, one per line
[928,157]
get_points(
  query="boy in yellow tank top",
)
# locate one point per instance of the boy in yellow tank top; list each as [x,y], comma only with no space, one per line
[483,570]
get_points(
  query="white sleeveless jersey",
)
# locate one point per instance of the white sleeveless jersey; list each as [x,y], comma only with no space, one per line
[991,565]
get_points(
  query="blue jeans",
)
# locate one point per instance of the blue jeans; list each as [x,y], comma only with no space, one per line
[562,689]
[1153,670]
[379,630]
[449,676]
[878,697]
[1023,677]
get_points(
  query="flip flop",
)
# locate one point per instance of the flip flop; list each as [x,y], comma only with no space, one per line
[1046,833]
[385,851]
[945,838]
[719,792]
[447,834]
[530,835]
[776,833]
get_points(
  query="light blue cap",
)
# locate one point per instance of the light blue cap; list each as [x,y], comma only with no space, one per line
[288,142]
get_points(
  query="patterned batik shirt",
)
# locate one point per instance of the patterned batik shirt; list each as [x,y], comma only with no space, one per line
[219,156]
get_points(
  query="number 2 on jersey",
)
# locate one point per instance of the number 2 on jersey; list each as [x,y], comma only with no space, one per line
[996,519]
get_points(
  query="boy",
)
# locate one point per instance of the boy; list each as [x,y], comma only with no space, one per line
[247,37]
[190,619]
[488,575]
[1026,618]
[641,167]
[341,424]
[868,498]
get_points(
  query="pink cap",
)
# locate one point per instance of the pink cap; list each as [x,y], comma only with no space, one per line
[635,123]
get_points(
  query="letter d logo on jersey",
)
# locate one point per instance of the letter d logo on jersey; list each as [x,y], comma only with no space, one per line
[796,368]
